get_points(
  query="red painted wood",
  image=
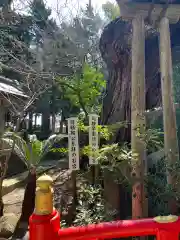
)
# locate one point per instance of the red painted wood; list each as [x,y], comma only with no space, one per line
[48,228]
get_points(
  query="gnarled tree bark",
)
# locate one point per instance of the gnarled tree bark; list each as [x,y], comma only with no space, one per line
[115,47]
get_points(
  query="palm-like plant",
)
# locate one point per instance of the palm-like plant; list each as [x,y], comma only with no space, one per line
[31,153]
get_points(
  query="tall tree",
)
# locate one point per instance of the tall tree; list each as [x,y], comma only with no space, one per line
[84,32]
[18,60]
[65,51]
[42,26]
[84,90]
[5,4]
[111,10]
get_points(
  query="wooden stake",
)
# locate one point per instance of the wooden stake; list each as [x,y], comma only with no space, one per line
[74,185]
[138,117]
[2,126]
[169,113]
[95,174]
[2,116]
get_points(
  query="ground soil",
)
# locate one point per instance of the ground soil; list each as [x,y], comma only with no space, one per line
[13,200]
[62,192]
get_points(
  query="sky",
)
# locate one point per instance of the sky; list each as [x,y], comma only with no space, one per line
[62,9]
[55,3]
[71,7]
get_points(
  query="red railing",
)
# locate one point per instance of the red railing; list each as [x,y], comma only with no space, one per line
[48,228]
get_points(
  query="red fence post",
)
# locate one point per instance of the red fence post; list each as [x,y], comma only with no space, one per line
[44,222]
[165,235]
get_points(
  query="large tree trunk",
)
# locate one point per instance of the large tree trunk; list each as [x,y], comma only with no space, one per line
[53,108]
[45,123]
[35,121]
[115,47]
[30,125]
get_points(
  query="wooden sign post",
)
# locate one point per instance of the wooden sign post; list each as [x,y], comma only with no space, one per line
[94,144]
[73,146]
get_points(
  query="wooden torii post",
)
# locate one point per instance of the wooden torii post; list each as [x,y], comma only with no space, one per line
[160,16]
[138,116]
[169,111]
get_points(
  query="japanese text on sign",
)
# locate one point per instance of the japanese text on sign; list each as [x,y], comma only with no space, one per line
[93,137]
[73,144]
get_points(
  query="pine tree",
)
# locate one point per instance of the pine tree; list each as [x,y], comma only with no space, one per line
[84,32]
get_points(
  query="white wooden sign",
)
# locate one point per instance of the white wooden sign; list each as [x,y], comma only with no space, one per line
[93,137]
[73,143]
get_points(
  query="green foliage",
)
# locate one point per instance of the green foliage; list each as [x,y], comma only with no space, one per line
[33,151]
[153,138]
[41,23]
[91,206]
[84,31]
[15,39]
[5,3]
[158,191]
[81,125]
[176,88]
[84,90]
[65,51]
[60,150]
[176,81]
[111,10]
[105,132]
[86,150]
[116,158]
[40,13]
[52,140]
